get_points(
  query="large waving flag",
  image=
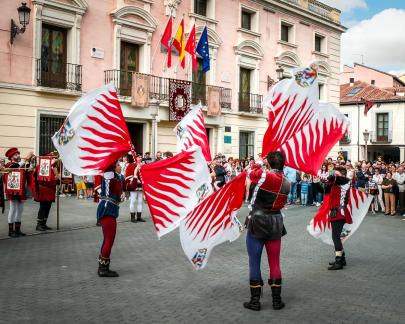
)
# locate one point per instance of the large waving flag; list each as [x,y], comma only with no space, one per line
[94,134]
[191,131]
[213,222]
[179,43]
[204,50]
[298,125]
[173,187]
[358,205]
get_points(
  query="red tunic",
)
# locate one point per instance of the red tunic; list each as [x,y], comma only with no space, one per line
[338,200]
[43,190]
[14,196]
[132,183]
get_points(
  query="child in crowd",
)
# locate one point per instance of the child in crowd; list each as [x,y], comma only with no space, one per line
[304,190]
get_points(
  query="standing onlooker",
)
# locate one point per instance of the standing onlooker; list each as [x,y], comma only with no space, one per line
[124,164]
[372,189]
[388,187]
[399,177]
[147,158]
[305,186]
[378,179]
[159,156]
[361,178]
[80,186]
[291,175]
[323,175]
[89,181]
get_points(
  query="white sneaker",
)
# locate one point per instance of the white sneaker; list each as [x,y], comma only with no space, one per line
[318,204]
[81,197]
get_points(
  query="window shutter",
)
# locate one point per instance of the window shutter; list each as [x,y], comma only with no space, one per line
[373,127]
[390,122]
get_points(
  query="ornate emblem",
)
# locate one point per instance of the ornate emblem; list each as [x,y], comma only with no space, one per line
[65,133]
[203,191]
[14,180]
[199,257]
[307,77]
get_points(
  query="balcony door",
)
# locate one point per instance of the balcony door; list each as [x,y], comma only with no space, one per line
[246,144]
[129,63]
[199,84]
[382,127]
[52,66]
[244,89]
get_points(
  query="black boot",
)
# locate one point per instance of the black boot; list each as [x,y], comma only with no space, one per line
[104,268]
[40,225]
[255,293]
[46,226]
[139,218]
[11,232]
[343,259]
[275,285]
[133,219]
[18,229]
[338,264]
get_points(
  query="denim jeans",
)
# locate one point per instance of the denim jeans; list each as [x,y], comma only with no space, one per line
[292,196]
[319,197]
[304,198]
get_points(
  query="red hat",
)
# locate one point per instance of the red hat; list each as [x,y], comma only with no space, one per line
[10,152]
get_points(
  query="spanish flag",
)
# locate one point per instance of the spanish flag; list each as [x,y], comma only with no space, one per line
[179,43]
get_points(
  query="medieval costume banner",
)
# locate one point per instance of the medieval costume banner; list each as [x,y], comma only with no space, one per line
[140,90]
[179,99]
[66,177]
[45,169]
[15,182]
[214,106]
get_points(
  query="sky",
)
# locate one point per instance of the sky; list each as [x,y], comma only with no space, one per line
[375,35]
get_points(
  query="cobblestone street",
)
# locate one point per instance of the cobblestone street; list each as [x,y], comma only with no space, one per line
[52,278]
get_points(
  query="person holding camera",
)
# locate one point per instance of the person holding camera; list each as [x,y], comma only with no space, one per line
[388,185]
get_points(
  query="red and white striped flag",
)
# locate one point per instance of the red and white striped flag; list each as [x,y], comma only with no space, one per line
[358,205]
[213,222]
[173,187]
[191,131]
[94,134]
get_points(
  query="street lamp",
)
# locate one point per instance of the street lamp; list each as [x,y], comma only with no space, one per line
[366,135]
[280,73]
[154,112]
[24,17]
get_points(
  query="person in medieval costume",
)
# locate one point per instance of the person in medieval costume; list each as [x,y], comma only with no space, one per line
[338,188]
[44,188]
[265,227]
[133,184]
[111,190]
[16,199]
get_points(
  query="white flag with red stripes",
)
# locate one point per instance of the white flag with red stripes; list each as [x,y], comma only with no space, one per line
[173,187]
[94,134]
[191,131]
[304,130]
[213,222]
[358,205]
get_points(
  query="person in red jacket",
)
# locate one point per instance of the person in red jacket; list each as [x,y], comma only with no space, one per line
[338,186]
[16,199]
[133,184]
[44,189]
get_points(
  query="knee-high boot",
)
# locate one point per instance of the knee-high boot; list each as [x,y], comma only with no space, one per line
[11,232]
[275,285]
[255,294]
[139,217]
[18,229]
[133,219]
[104,268]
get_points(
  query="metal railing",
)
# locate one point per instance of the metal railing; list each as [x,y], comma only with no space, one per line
[375,138]
[250,102]
[57,74]
[159,88]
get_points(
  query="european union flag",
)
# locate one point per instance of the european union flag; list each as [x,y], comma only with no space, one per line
[203,50]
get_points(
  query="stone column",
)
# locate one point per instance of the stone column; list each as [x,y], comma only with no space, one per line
[154,112]
[220,139]
[402,154]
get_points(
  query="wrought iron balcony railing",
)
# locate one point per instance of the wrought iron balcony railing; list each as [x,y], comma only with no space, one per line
[250,102]
[159,88]
[57,74]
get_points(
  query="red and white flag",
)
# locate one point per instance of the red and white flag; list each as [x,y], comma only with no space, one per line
[94,134]
[190,48]
[173,187]
[213,222]
[166,40]
[191,131]
[358,205]
[304,130]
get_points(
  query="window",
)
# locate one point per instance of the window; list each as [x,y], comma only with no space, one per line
[382,127]
[244,89]
[321,88]
[346,138]
[198,92]
[129,63]
[52,66]
[373,82]
[200,7]
[351,80]
[319,43]
[48,126]
[246,144]
[353,91]
[246,20]
[286,32]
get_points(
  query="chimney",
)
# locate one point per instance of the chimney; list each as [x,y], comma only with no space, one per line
[351,82]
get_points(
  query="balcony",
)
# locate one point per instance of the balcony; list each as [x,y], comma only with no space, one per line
[250,102]
[318,8]
[386,138]
[159,88]
[56,74]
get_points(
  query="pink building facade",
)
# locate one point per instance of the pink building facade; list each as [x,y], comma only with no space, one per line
[73,46]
